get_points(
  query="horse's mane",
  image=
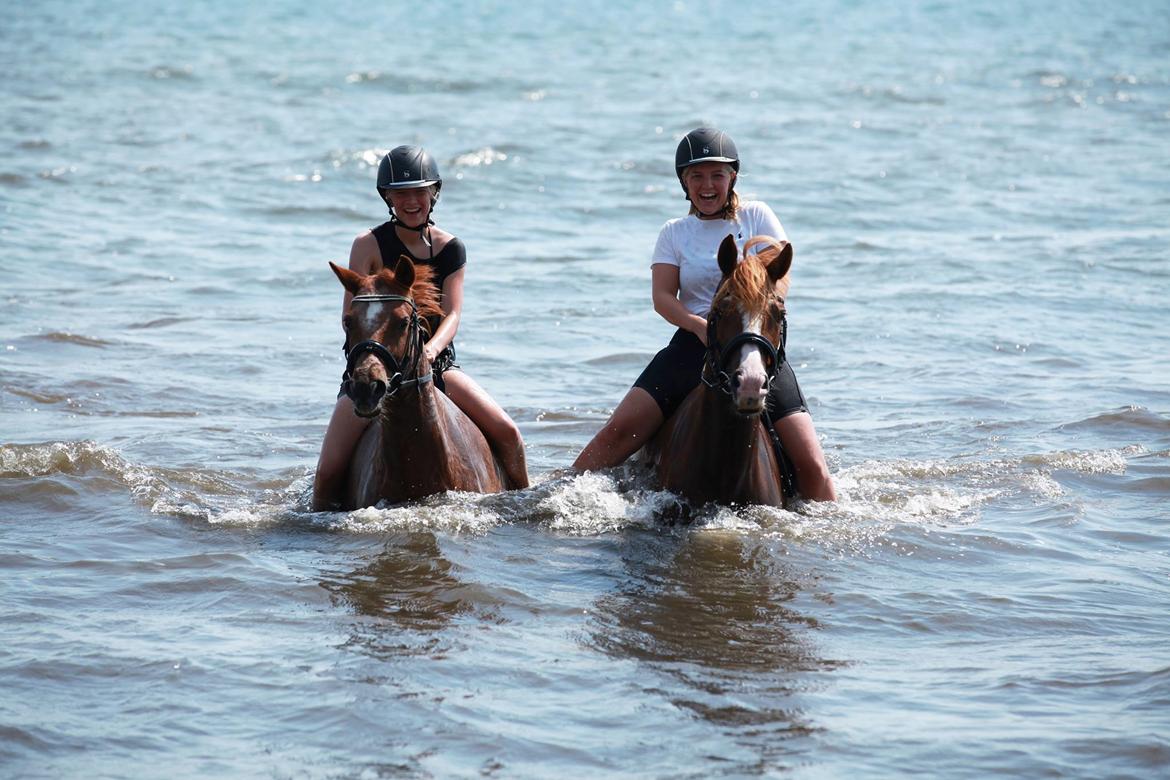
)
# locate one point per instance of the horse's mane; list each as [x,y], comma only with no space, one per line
[424,291]
[749,282]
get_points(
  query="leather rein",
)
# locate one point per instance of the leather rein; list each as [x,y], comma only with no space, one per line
[395,367]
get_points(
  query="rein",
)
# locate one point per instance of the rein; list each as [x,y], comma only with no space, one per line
[394,366]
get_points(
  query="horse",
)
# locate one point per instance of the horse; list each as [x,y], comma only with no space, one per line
[719,445]
[420,442]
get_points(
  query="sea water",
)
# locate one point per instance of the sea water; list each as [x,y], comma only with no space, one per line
[979,200]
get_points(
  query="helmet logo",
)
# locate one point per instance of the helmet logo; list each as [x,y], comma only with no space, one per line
[706,150]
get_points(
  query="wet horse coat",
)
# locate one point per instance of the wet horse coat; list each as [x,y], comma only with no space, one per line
[420,442]
[715,447]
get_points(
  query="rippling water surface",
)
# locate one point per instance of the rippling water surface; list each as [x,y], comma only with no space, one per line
[978,196]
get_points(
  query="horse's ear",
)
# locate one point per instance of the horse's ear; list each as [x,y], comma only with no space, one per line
[351,280]
[404,272]
[728,255]
[778,266]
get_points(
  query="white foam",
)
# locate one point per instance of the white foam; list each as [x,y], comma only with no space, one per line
[593,503]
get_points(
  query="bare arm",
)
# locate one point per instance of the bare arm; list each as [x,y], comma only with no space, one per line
[452,311]
[364,258]
[664,281]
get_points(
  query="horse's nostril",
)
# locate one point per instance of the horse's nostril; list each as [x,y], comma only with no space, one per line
[377,390]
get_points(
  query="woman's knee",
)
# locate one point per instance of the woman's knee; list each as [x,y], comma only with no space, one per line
[811,465]
[345,428]
[638,416]
[503,429]
[332,459]
[800,441]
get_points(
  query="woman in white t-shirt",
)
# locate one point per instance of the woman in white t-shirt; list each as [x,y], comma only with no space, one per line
[685,275]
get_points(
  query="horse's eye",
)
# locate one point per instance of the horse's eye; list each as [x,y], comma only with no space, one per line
[347,322]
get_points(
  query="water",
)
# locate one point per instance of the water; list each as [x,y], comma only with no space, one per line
[978,196]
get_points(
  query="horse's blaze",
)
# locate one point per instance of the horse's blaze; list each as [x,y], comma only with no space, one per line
[373,316]
[749,373]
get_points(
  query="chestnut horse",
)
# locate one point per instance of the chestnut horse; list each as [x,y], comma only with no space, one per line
[420,443]
[719,445]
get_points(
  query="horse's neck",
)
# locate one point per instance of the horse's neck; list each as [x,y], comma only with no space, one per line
[737,456]
[731,435]
[416,420]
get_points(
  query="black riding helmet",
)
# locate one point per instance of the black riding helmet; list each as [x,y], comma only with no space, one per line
[705,144]
[407,167]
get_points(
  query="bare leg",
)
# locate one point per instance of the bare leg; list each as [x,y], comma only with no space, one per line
[500,430]
[799,438]
[632,424]
[345,428]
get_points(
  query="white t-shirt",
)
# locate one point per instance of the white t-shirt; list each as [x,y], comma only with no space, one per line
[692,244]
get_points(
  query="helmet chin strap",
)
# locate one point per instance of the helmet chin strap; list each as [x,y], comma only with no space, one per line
[423,230]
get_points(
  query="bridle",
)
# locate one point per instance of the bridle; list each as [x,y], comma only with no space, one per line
[717,355]
[717,379]
[395,367]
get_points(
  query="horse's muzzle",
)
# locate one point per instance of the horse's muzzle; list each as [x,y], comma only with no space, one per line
[749,388]
[366,396]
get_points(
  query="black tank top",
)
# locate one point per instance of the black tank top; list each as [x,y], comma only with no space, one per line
[447,261]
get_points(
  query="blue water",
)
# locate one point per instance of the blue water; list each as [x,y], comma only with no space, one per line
[979,198]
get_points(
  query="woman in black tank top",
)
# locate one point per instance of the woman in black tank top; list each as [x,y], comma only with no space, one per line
[409,183]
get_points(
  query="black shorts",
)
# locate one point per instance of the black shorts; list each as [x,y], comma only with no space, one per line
[445,361]
[677,369]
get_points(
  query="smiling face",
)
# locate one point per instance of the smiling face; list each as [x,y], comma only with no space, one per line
[708,186]
[411,206]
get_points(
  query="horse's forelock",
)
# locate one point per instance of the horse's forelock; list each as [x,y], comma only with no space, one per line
[749,284]
[423,291]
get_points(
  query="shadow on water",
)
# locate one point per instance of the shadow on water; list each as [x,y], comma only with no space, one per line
[709,613]
[405,597]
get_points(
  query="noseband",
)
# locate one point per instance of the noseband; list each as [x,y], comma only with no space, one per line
[395,367]
[714,375]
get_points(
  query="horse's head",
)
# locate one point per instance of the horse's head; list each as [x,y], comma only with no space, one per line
[746,322]
[384,328]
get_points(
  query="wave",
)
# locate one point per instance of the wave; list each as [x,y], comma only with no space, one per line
[1137,417]
[875,497]
[184,492]
[400,83]
[483,156]
[61,337]
[322,212]
[619,359]
[171,72]
[161,322]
